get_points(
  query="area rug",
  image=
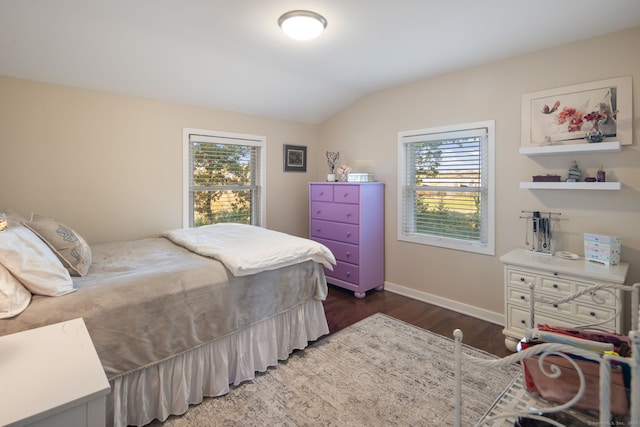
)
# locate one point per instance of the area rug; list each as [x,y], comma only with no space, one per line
[377,372]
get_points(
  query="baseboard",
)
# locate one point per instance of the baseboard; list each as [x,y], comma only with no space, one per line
[469,310]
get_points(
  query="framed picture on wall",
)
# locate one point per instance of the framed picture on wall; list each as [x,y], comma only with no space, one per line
[295,158]
[566,115]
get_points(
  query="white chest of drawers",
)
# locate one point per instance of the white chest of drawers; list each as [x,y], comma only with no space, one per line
[348,218]
[555,278]
[52,377]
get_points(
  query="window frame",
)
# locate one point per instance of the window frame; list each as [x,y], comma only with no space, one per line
[228,138]
[488,181]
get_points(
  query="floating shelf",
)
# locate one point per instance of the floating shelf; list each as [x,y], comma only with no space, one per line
[550,150]
[571,185]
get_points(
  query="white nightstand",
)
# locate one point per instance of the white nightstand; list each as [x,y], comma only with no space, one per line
[51,376]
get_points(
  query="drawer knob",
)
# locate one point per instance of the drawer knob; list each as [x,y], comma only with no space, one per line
[348,274]
[318,211]
[348,254]
[349,215]
[555,305]
[555,286]
[522,297]
[345,195]
[522,279]
[348,234]
[318,230]
[592,313]
[523,322]
[555,274]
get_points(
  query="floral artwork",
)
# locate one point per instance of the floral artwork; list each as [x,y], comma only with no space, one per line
[568,117]
[590,112]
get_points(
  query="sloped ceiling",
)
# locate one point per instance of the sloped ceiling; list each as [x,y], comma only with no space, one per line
[231,55]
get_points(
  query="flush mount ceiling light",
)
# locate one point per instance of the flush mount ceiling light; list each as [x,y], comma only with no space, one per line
[302,24]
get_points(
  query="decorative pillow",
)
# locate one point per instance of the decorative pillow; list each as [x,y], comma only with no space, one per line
[31,261]
[70,248]
[14,297]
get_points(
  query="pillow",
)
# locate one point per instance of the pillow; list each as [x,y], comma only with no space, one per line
[14,297]
[31,261]
[70,248]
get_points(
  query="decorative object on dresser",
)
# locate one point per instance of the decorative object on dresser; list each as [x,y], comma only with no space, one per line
[332,161]
[554,278]
[348,218]
[542,228]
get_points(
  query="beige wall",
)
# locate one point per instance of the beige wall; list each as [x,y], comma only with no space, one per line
[366,136]
[110,166]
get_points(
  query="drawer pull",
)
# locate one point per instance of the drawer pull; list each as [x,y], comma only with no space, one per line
[555,274]
[348,274]
[349,215]
[345,195]
[524,322]
[522,297]
[555,286]
[318,211]
[522,279]
[348,234]
[555,305]
[348,254]
[318,230]
[592,314]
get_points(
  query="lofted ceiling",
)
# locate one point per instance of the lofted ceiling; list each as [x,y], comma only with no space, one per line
[231,55]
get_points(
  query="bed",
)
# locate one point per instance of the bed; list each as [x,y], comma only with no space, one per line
[170,325]
[574,376]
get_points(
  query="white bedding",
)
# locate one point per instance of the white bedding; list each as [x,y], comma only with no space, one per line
[246,249]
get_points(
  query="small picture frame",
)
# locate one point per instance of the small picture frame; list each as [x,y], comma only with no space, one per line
[295,158]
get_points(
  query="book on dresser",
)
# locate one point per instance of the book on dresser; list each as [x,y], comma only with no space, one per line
[348,218]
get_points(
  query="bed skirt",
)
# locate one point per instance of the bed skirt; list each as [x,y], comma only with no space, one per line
[169,387]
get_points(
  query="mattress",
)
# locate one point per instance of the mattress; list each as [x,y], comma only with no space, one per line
[147,301]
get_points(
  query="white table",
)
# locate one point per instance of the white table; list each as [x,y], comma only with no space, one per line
[51,376]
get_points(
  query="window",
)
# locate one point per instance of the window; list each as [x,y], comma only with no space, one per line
[223,178]
[446,187]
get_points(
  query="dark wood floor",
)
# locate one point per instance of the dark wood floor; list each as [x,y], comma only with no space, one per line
[343,309]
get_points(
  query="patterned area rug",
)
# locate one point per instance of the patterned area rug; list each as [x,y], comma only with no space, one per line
[379,371]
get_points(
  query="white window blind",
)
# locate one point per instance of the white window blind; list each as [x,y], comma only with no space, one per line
[446,187]
[224,178]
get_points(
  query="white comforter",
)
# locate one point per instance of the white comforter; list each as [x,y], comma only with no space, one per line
[246,249]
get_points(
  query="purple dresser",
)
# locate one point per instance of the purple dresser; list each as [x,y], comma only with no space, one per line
[348,218]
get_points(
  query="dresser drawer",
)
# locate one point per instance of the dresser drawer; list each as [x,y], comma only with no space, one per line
[335,231]
[519,319]
[322,192]
[523,278]
[346,194]
[345,271]
[557,288]
[335,212]
[342,251]
[606,298]
[591,314]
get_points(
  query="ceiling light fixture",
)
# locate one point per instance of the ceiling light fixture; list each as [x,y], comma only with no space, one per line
[302,24]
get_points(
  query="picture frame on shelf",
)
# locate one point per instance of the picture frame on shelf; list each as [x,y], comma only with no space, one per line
[295,158]
[560,116]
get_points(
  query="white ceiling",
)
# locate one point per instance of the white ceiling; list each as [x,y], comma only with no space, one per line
[231,55]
